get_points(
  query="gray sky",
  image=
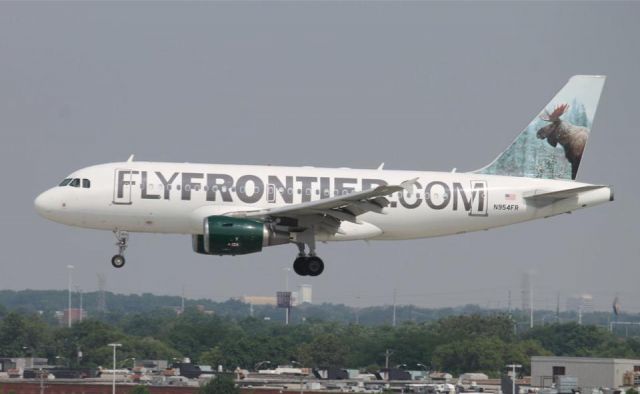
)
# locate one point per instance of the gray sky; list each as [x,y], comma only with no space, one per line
[424,86]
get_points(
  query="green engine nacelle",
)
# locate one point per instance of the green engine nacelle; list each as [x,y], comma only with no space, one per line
[224,235]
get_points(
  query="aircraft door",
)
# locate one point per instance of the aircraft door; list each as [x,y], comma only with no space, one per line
[480,203]
[122,186]
[271,193]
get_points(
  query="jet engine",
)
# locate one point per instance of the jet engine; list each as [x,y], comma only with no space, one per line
[224,235]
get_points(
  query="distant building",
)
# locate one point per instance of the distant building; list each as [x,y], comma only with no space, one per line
[22,363]
[259,300]
[590,372]
[156,365]
[77,315]
[202,309]
[304,294]
[583,302]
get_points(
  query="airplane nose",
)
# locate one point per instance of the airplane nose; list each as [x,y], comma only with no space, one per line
[44,203]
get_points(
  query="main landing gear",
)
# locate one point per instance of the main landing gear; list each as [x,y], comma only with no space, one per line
[307,264]
[118,260]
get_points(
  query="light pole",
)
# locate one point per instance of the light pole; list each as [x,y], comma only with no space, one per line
[69,270]
[79,290]
[286,288]
[113,386]
[394,308]
[513,378]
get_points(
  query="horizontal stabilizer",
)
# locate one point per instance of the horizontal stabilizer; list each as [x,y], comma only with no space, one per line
[543,195]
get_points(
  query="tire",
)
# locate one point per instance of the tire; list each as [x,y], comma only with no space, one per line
[315,266]
[118,261]
[300,266]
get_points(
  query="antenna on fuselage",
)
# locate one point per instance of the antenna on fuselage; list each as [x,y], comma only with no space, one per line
[130,159]
[381,166]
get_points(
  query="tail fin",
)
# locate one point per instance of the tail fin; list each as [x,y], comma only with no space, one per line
[551,146]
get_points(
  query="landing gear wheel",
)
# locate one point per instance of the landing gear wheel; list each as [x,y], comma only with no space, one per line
[118,261]
[307,263]
[314,266]
[123,241]
[300,266]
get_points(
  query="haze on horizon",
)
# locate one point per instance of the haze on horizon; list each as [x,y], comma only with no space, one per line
[424,86]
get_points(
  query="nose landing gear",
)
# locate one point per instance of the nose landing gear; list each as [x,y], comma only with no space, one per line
[118,260]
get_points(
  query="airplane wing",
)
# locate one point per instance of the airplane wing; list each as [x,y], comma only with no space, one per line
[329,212]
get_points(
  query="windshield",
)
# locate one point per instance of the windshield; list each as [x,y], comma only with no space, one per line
[76,182]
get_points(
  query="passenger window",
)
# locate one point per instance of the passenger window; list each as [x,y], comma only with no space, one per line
[75,182]
[65,182]
[86,183]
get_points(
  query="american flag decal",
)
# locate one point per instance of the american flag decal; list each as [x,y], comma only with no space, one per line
[510,196]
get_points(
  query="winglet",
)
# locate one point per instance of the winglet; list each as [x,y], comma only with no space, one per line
[130,159]
[381,166]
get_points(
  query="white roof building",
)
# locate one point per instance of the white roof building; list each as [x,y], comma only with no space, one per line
[591,372]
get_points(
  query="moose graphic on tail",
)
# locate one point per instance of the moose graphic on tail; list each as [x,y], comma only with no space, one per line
[572,138]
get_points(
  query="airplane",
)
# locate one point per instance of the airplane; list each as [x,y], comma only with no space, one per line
[240,209]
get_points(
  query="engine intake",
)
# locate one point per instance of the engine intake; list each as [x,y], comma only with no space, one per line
[224,235]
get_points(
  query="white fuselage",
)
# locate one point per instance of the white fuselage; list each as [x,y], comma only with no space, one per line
[176,197]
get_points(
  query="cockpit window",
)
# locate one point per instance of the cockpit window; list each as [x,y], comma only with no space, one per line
[86,183]
[65,182]
[75,182]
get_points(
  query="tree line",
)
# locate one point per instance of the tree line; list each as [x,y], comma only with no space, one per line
[456,344]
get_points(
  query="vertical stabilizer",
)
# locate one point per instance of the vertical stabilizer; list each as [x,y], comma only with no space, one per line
[551,146]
